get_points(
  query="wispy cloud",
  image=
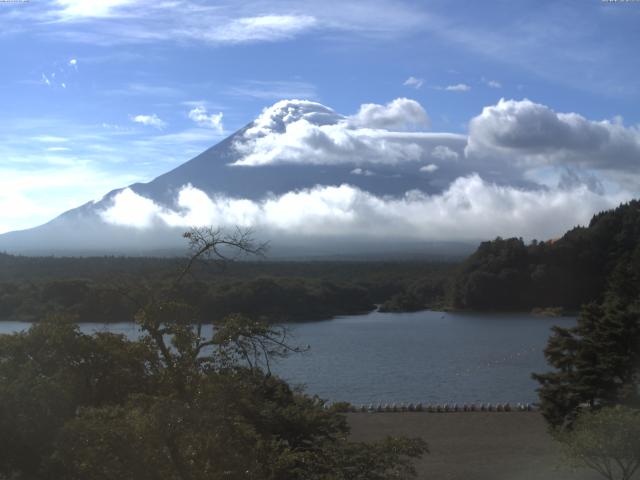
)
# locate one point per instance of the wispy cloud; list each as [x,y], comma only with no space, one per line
[363,171]
[71,10]
[57,74]
[260,28]
[142,21]
[274,90]
[459,87]
[555,41]
[145,89]
[49,139]
[195,138]
[414,82]
[226,22]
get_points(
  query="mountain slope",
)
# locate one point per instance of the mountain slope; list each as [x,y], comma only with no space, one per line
[98,227]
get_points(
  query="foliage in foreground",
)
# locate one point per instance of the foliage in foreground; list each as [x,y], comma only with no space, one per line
[174,405]
[101,407]
[607,441]
[597,362]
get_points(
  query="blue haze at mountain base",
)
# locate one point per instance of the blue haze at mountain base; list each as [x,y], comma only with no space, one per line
[428,357]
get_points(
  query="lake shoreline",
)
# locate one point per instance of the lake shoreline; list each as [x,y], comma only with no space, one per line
[542,313]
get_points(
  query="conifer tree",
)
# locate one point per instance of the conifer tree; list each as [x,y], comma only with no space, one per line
[597,362]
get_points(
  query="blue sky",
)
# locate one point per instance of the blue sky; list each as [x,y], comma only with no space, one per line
[96,95]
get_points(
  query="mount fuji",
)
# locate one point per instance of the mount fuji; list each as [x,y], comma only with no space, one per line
[295,148]
[315,182]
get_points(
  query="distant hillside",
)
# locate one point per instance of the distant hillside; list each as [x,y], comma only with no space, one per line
[506,274]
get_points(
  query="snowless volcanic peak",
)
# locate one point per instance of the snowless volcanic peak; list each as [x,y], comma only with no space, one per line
[314,180]
[297,171]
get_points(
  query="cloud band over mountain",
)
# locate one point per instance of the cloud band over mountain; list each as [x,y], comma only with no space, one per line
[523,170]
[469,209]
[302,172]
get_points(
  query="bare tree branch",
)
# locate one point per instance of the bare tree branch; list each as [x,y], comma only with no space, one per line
[213,242]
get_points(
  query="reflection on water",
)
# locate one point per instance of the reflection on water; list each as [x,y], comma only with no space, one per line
[429,357]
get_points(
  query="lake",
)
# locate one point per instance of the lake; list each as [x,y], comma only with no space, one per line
[428,357]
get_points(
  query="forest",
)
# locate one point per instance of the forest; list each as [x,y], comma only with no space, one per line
[565,273]
[110,289]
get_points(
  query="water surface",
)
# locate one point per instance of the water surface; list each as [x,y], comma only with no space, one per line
[429,357]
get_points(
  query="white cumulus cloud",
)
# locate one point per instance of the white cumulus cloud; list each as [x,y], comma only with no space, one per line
[299,131]
[149,120]
[399,114]
[534,135]
[131,209]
